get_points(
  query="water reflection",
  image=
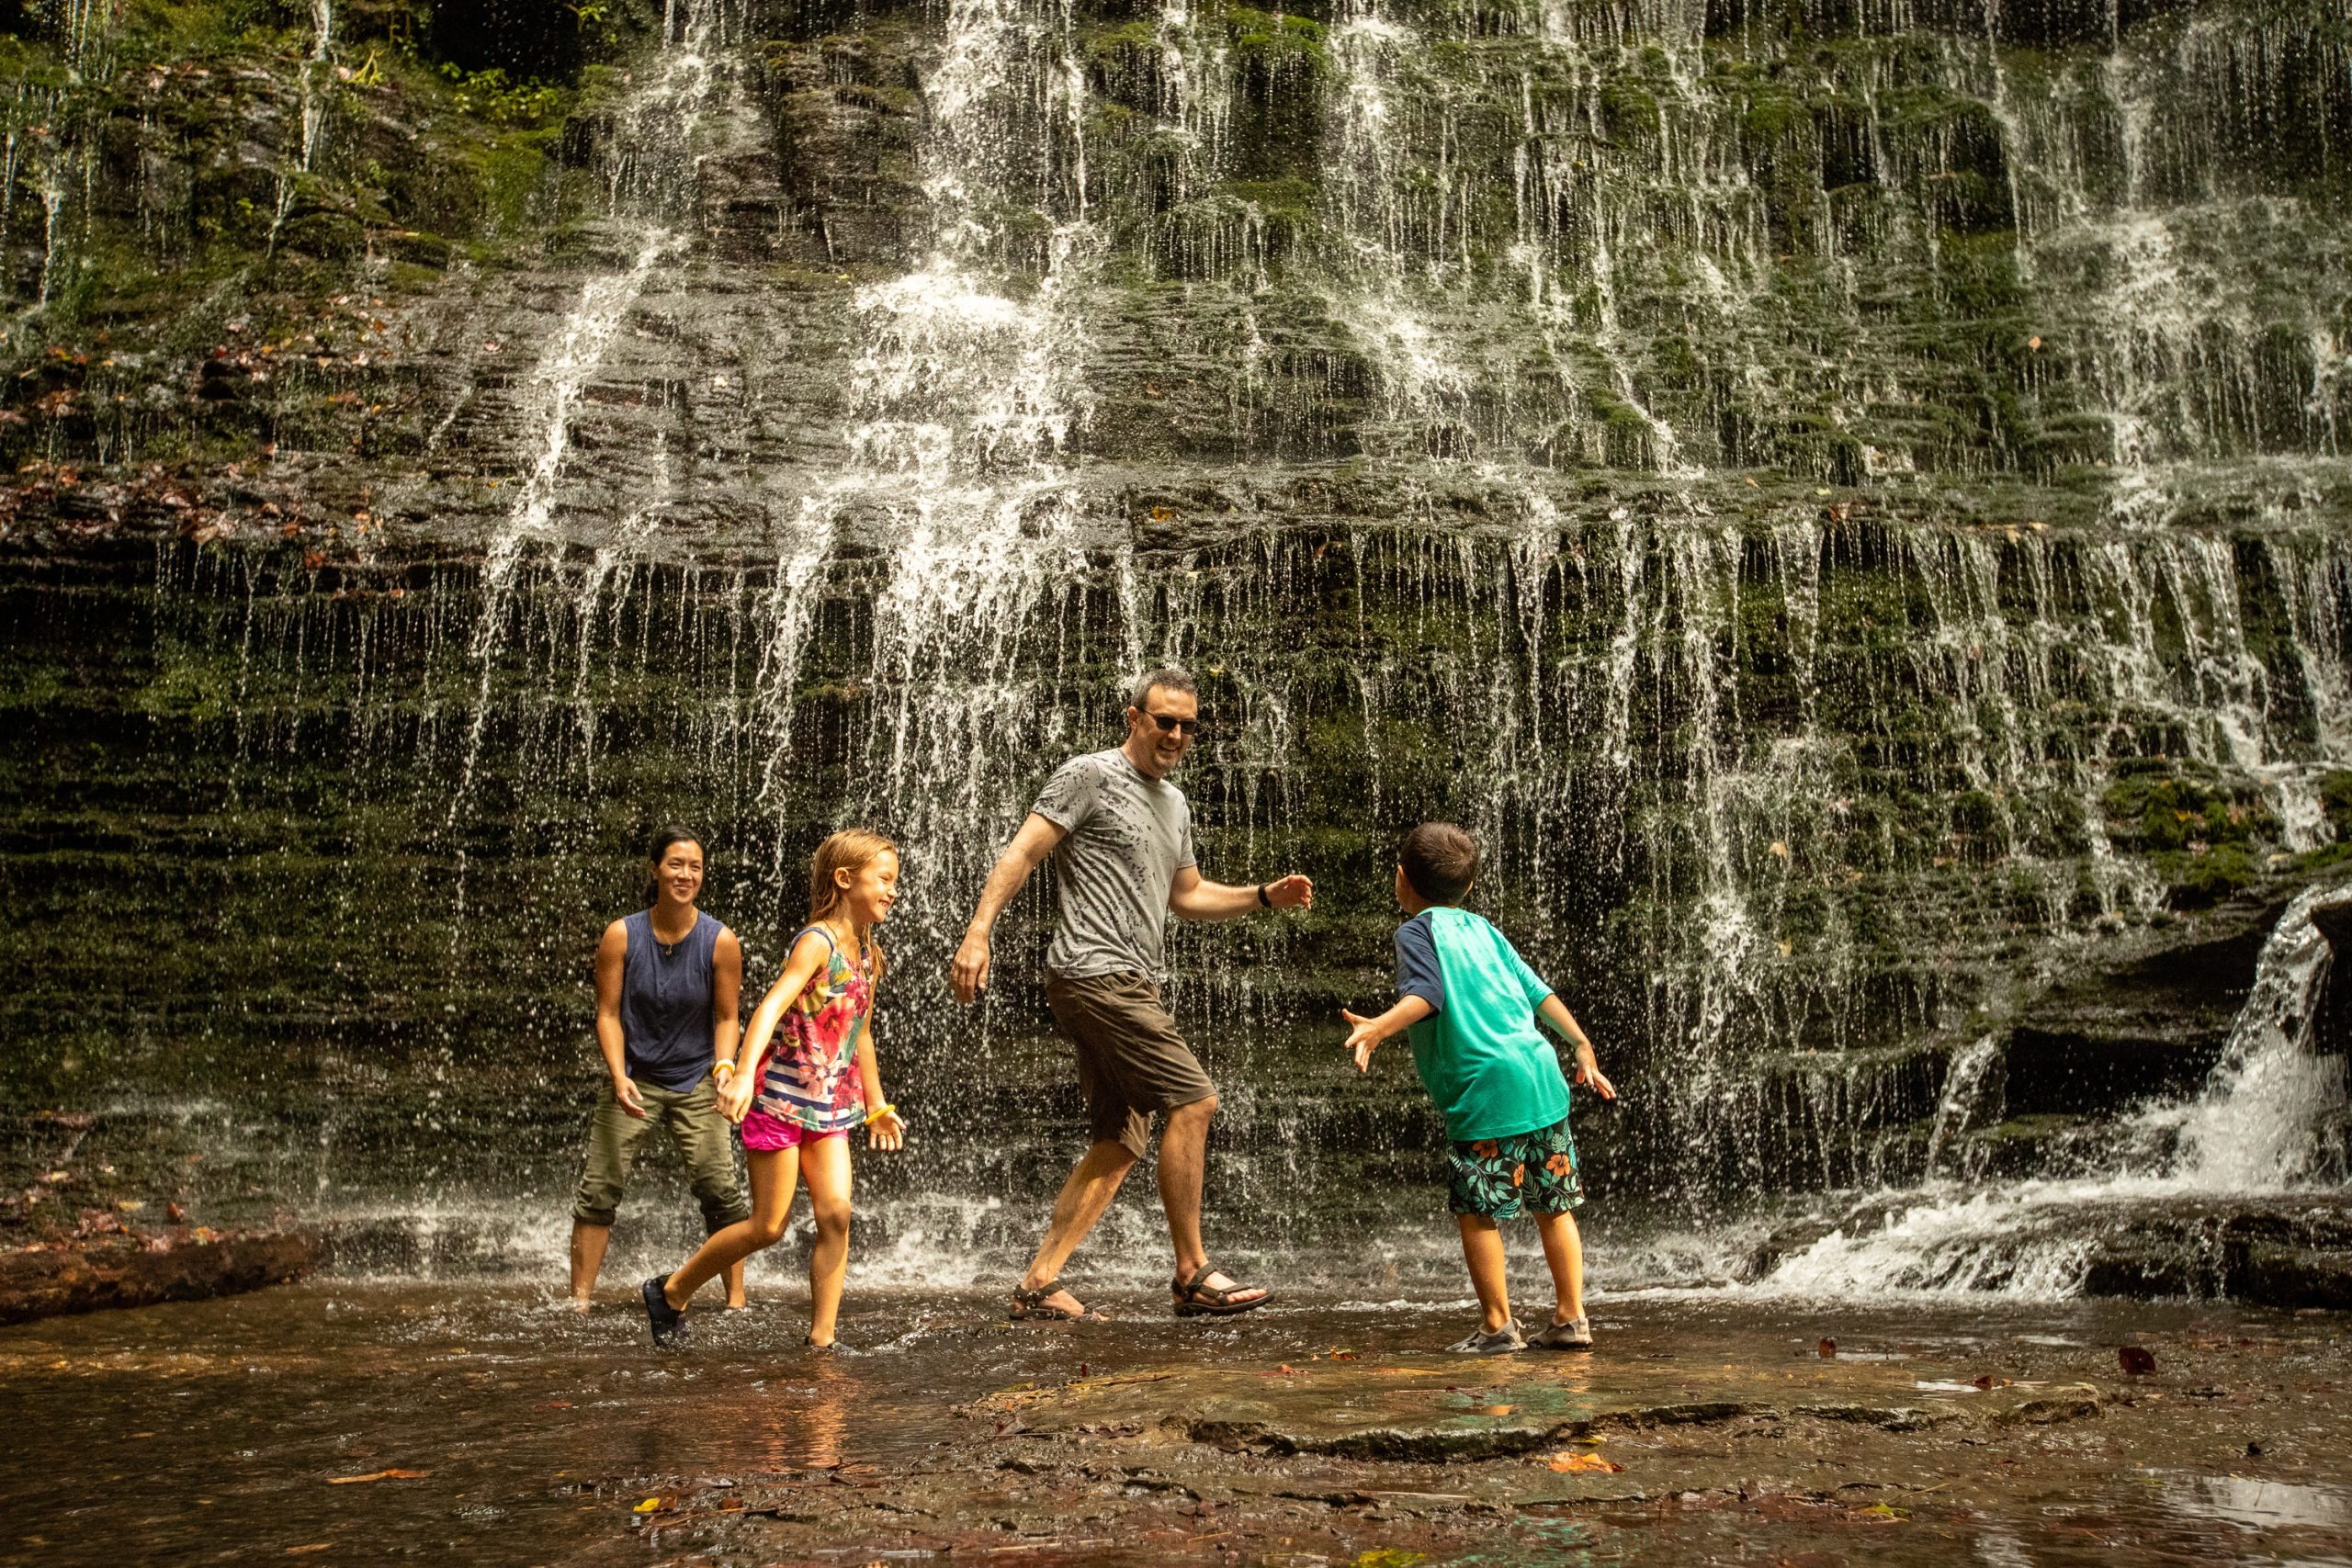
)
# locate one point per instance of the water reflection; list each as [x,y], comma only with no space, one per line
[2259,1505]
[804,1425]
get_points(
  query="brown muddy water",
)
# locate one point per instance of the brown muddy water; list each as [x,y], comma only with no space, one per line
[343,1422]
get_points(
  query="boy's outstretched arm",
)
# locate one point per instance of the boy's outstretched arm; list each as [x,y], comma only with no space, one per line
[1367,1033]
[1564,1023]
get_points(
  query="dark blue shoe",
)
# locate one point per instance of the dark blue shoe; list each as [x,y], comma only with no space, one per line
[668,1324]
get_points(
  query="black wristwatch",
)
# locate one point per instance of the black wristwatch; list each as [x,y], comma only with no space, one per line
[1269,903]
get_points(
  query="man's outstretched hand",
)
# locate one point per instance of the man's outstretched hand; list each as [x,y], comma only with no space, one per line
[1291,893]
[967,972]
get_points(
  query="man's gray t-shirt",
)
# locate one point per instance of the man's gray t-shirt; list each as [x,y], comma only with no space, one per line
[1128,835]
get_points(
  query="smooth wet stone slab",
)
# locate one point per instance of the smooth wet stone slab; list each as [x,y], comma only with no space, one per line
[1437,1411]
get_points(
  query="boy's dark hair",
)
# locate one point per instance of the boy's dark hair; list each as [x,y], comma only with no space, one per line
[1168,680]
[1440,861]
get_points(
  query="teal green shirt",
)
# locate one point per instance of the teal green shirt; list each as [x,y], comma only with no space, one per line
[1481,1055]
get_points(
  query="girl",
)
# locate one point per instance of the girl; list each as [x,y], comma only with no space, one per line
[796,1106]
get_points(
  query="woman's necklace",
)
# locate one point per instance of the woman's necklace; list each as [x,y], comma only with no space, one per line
[670,948]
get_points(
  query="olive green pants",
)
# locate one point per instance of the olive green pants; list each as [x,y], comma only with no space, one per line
[691,1117]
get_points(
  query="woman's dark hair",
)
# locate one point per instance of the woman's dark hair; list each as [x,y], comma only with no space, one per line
[662,839]
[1440,861]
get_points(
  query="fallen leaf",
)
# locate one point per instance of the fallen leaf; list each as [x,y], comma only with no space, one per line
[2136,1362]
[646,1506]
[1826,1350]
[1586,1463]
[1343,1355]
[314,1546]
[379,1475]
[1988,1381]
[2034,343]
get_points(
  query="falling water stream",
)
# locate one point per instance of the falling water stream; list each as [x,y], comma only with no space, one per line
[1856,531]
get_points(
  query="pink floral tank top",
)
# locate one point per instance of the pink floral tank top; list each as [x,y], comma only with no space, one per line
[810,1078]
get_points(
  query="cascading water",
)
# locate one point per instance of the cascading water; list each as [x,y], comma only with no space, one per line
[1795,503]
[2267,1125]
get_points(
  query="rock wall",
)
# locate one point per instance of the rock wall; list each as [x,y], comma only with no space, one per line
[1846,501]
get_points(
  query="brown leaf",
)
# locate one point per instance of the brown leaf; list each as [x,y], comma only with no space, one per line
[379,1475]
[1826,1350]
[2136,1362]
[1568,1464]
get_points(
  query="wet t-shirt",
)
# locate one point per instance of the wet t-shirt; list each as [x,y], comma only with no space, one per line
[1490,1068]
[1128,835]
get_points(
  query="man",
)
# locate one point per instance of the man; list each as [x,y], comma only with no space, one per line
[1121,836]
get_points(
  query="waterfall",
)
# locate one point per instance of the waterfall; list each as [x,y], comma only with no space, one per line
[1852,518]
[2255,1131]
[2255,1128]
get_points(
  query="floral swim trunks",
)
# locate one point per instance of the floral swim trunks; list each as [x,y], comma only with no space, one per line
[1527,1173]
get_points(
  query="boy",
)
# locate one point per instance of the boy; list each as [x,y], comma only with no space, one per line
[1470,1003]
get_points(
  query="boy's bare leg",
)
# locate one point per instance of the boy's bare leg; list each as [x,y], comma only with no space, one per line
[1482,1248]
[1093,1183]
[825,1165]
[1183,1161]
[588,1244]
[734,1276]
[1564,1252]
[774,1172]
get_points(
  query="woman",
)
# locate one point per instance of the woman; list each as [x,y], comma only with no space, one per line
[668,984]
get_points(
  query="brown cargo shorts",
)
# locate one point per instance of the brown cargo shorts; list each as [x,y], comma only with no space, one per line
[1131,1061]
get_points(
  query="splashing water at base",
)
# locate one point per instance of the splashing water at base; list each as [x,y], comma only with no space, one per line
[2255,1131]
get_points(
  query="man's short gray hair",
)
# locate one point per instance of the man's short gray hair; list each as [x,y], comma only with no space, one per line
[1168,680]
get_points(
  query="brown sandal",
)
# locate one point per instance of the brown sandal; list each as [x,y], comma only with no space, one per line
[1194,1299]
[1029,1306]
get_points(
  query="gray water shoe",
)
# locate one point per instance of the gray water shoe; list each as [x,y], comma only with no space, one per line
[1501,1342]
[1573,1334]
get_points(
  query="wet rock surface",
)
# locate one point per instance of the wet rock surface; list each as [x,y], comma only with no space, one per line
[484,1427]
[177,1265]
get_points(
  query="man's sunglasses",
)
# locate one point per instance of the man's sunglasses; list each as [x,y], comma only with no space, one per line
[1170,724]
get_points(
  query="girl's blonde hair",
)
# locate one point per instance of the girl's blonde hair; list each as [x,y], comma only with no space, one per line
[851,850]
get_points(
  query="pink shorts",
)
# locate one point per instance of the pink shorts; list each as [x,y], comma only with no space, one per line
[763,1133]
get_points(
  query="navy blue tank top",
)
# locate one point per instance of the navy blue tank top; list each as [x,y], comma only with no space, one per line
[665,1002]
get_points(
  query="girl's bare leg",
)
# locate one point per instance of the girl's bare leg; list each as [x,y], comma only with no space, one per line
[1564,1251]
[825,1162]
[734,1272]
[774,1171]
[1482,1248]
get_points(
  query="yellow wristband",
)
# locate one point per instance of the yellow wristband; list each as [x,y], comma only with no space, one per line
[884,1108]
[728,1067]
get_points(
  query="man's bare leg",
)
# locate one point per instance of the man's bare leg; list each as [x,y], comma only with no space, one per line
[1093,1183]
[588,1243]
[1183,1158]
